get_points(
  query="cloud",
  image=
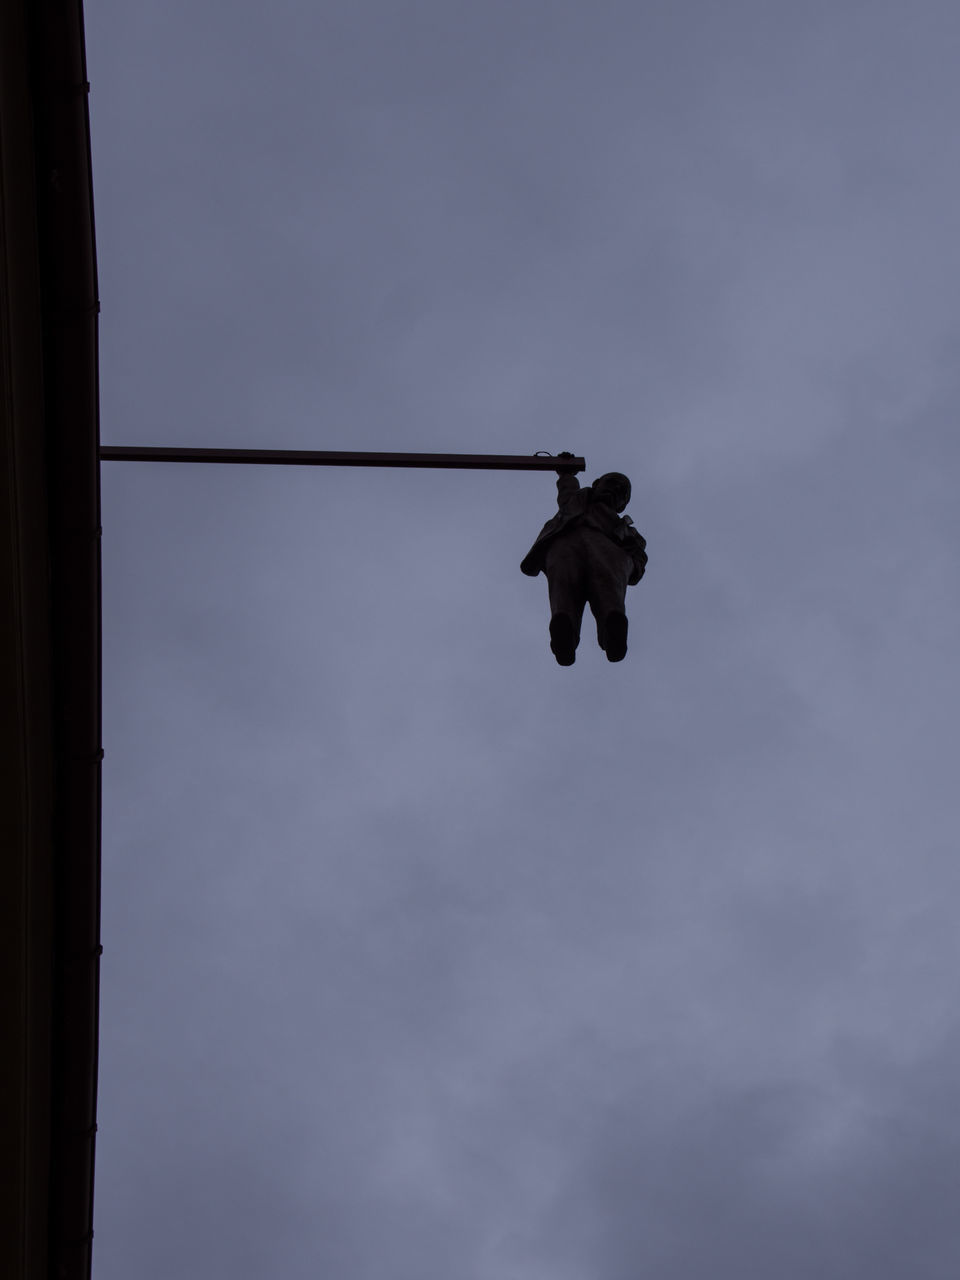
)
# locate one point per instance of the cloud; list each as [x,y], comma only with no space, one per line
[424,957]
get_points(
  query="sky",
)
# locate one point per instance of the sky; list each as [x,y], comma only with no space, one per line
[424,957]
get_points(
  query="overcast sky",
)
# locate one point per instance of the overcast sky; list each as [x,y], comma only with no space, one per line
[425,958]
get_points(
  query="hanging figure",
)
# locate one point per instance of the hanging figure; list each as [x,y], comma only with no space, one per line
[590,553]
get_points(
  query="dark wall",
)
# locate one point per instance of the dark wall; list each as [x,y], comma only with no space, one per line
[49,645]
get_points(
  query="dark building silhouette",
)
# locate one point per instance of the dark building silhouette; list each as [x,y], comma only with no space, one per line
[49,647]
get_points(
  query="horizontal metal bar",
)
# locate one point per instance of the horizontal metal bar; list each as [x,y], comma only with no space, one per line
[318,458]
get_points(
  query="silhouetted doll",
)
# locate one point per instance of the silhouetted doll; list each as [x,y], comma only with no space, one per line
[590,554]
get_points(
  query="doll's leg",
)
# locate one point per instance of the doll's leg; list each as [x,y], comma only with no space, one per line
[607,577]
[565,568]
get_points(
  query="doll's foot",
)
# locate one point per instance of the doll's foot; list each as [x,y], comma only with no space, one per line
[563,639]
[615,637]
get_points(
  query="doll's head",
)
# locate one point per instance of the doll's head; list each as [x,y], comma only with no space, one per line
[613,489]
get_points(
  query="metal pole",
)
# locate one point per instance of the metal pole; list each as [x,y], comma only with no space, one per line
[319,458]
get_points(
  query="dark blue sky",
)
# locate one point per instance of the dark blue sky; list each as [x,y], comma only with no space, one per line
[424,957]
